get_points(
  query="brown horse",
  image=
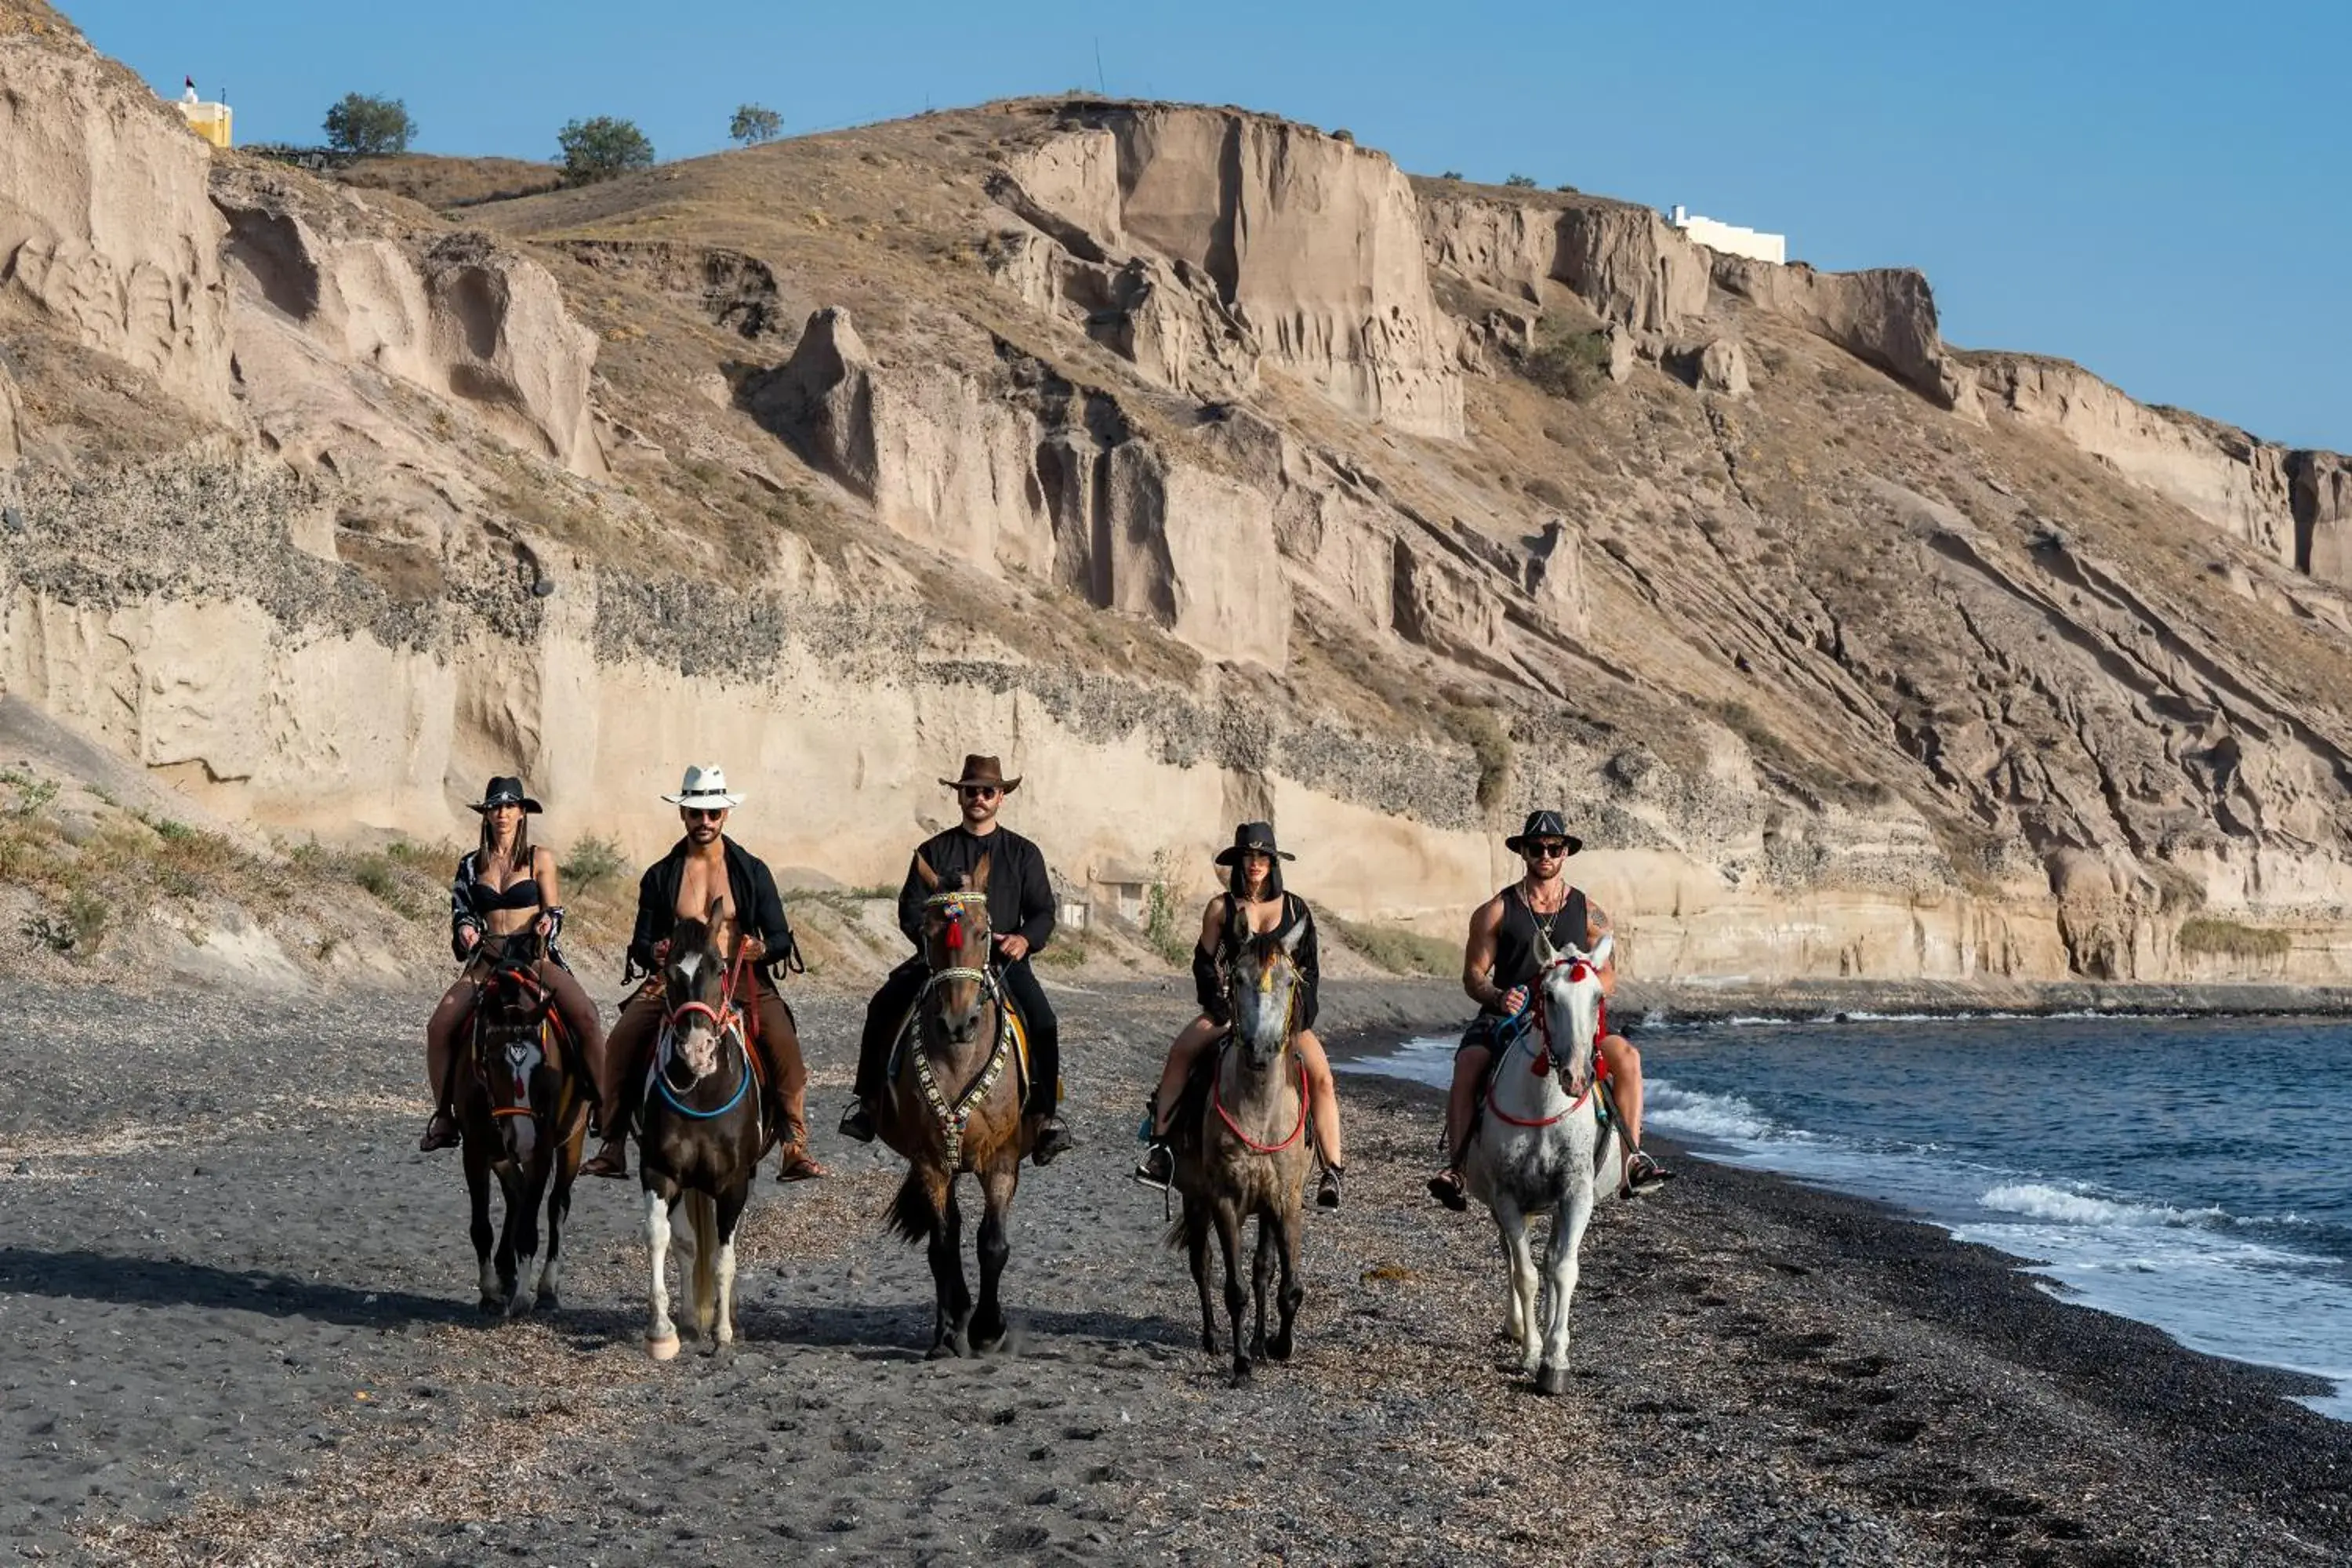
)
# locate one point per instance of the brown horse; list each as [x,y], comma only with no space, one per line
[952,1107]
[522,1109]
[703,1125]
[1249,1150]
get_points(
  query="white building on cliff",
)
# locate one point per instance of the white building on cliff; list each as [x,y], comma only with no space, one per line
[1730,239]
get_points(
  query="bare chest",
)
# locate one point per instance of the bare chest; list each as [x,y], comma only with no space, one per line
[698,884]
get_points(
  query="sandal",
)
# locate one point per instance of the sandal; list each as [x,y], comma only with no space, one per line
[1327,1192]
[1643,1175]
[795,1164]
[1446,1188]
[441,1132]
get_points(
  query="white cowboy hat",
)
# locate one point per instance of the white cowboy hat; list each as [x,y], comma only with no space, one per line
[705,786]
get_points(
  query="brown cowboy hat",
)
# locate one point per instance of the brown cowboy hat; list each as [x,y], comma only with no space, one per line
[980,770]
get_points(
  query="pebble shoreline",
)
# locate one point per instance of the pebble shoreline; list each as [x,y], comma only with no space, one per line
[239,1312]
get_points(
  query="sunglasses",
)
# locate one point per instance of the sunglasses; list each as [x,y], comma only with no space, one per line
[978,792]
[701,814]
[1547,851]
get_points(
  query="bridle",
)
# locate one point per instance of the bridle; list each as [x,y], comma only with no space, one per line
[516,1053]
[1542,1064]
[954,1117]
[1289,1015]
[727,1021]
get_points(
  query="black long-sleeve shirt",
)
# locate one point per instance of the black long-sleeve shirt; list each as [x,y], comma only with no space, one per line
[1209,968]
[751,888]
[1020,894]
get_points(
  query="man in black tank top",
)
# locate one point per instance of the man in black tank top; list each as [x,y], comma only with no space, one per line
[1501,960]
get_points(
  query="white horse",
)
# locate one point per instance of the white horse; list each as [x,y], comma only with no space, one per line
[1538,1146]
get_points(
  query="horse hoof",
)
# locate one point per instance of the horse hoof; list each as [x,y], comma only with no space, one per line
[1552,1380]
[493,1307]
[1278,1348]
[942,1350]
[662,1349]
[1241,1373]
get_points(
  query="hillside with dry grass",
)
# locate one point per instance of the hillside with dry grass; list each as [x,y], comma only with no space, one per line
[1205,464]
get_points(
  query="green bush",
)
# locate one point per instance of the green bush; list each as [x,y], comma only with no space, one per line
[1520,182]
[1573,365]
[593,861]
[754,123]
[369,125]
[33,795]
[2228,939]
[602,148]
[1396,949]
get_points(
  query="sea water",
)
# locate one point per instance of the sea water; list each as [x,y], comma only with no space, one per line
[2195,1174]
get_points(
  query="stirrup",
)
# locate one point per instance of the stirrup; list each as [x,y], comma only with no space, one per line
[1326,1191]
[858,1122]
[1053,1139]
[1159,1153]
[1446,1188]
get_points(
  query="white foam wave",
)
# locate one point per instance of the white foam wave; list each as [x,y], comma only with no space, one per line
[1698,1114]
[2038,1200]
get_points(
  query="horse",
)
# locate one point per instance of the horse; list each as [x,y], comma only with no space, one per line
[522,1109]
[1540,1145]
[1250,1155]
[951,1109]
[701,1125]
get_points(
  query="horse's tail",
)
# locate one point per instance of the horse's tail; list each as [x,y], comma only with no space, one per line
[1179,1229]
[911,1212]
[702,1216]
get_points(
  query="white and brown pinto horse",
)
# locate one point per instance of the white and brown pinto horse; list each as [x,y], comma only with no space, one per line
[1539,1146]
[703,1125]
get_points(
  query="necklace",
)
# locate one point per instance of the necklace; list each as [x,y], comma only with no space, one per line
[1548,924]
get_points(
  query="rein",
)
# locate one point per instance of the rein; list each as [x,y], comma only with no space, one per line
[1540,1064]
[1216,1093]
[727,1019]
[531,985]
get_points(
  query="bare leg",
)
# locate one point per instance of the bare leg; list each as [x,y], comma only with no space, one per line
[626,1051]
[1469,1063]
[1625,1083]
[1323,1095]
[580,1022]
[456,1005]
[1181,1057]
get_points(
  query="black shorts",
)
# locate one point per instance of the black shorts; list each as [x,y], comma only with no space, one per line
[1482,1034]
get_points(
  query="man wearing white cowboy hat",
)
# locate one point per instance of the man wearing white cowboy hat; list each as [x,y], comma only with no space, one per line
[705,865]
[1020,914]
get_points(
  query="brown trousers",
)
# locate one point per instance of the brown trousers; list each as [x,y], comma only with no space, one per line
[442,1029]
[629,1050]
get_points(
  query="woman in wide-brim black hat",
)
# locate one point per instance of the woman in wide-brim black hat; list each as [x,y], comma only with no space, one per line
[1253,903]
[504,885]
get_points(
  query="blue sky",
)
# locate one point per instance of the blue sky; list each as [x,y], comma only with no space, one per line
[2157,190]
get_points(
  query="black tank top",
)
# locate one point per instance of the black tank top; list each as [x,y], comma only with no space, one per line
[1515,958]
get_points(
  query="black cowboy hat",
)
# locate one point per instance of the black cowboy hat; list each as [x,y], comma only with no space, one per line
[1251,837]
[980,770]
[1542,824]
[505,792]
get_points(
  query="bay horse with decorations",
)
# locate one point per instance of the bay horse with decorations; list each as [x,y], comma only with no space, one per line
[1540,1146]
[522,1109]
[951,1107]
[702,1124]
[1249,1151]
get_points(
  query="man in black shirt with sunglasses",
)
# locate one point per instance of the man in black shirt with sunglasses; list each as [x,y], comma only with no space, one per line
[1020,914]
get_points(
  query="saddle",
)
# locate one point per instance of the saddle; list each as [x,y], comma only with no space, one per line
[904,1035]
[1192,1100]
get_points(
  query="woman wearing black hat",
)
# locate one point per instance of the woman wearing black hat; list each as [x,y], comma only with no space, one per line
[1253,904]
[507,884]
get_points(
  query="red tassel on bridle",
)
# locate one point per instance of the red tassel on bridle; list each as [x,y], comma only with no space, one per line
[955,931]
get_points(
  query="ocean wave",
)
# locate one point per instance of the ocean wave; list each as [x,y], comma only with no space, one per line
[2038,1200]
[1706,1115]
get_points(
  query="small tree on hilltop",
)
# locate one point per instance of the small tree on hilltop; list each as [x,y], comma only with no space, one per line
[1520,182]
[369,126]
[601,147]
[754,123]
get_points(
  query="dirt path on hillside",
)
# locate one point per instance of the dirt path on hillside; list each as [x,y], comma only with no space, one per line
[238,1308]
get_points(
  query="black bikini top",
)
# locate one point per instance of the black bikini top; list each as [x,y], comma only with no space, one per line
[522,895]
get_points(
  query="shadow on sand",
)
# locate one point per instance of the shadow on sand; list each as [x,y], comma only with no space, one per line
[177,1282]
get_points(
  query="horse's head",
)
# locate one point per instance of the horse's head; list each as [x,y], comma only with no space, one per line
[510,1019]
[1263,979]
[1571,999]
[694,983]
[956,942]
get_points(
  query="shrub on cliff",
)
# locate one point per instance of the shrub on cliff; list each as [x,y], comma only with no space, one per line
[602,148]
[368,126]
[1520,182]
[1574,366]
[754,123]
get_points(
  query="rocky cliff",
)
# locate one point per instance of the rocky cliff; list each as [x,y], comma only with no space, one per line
[1207,467]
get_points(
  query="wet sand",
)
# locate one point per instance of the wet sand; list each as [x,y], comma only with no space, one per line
[239,1313]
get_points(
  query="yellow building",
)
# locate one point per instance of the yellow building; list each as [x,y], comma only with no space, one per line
[209,120]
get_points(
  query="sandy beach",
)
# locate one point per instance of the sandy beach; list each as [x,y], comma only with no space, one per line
[238,1309]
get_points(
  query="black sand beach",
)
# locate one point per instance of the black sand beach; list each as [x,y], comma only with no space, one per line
[239,1313]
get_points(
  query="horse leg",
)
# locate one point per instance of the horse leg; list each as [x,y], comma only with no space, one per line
[1229,1246]
[1261,1276]
[996,1186]
[1286,1238]
[702,1219]
[661,1334]
[952,1320]
[730,1210]
[511,1186]
[524,1218]
[1567,1238]
[559,1210]
[478,1188]
[1520,1323]
[1196,1247]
